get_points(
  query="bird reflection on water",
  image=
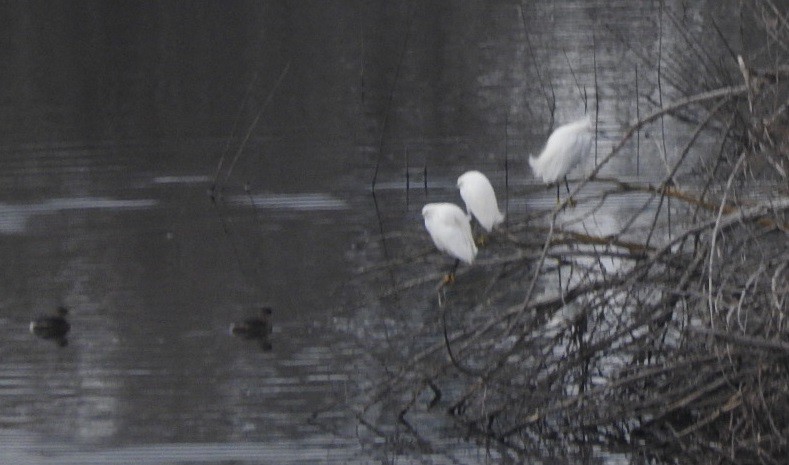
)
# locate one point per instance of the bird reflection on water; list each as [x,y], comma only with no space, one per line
[255,328]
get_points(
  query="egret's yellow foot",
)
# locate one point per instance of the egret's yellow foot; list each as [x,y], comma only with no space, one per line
[448,279]
[570,202]
[481,240]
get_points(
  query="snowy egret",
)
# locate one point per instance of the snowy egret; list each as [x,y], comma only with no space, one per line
[52,326]
[480,199]
[450,229]
[565,148]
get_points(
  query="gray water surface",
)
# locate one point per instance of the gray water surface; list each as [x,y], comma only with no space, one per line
[114,119]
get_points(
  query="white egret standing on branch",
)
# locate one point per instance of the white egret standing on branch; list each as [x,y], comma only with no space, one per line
[480,199]
[450,229]
[566,147]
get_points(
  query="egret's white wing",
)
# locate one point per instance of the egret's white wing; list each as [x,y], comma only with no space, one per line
[480,199]
[566,147]
[450,230]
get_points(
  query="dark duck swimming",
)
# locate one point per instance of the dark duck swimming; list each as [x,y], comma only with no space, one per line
[54,327]
[255,327]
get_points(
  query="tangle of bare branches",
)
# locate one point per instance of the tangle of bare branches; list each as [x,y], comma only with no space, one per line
[665,338]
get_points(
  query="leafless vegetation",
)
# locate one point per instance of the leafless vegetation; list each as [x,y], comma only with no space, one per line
[667,336]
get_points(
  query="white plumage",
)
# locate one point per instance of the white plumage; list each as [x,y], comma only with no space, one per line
[450,229]
[565,148]
[480,199]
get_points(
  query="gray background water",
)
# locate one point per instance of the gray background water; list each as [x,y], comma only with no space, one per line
[114,117]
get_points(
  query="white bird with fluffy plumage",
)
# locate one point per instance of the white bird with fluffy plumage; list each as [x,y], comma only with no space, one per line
[450,229]
[566,147]
[480,199]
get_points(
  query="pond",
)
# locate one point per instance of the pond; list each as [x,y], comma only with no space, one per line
[167,168]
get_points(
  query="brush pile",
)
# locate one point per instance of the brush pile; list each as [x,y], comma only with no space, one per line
[666,335]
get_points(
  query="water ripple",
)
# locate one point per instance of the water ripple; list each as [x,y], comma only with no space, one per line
[324,449]
[305,202]
[14,217]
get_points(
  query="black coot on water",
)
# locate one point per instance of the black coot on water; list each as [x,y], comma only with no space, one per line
[258,328]
[54,327]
